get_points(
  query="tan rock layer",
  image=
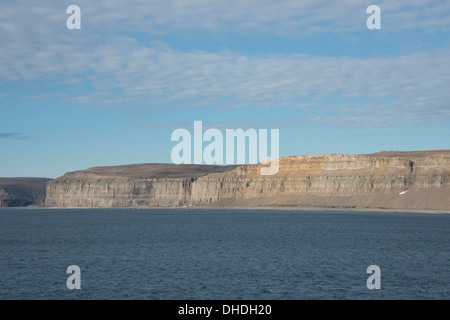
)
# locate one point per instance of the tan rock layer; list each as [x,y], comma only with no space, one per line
[331,180]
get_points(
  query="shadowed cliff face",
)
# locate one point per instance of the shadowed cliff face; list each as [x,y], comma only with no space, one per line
[391,180]
[22,192]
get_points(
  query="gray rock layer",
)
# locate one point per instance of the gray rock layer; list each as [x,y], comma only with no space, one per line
[22,192]
[388,180]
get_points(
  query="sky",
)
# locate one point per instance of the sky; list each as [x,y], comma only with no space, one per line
[113,92]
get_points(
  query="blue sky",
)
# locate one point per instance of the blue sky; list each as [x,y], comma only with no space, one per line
[113,92]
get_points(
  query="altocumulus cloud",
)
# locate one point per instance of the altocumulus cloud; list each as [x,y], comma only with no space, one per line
[392,88]
[268,16]
[114,69]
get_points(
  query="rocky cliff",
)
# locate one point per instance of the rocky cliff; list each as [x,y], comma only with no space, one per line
[388,180]
[22,192]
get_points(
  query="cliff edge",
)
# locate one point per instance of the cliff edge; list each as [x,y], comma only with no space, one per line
[418,180]
[22,192]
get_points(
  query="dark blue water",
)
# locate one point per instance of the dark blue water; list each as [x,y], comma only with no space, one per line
[222,254]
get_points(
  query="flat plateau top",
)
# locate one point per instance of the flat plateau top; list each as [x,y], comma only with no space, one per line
[414,154]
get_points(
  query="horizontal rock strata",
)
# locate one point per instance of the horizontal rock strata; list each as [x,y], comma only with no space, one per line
[22,192]
[387,180]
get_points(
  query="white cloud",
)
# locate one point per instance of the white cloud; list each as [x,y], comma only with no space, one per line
[412,86]
[117,69]
[269,16]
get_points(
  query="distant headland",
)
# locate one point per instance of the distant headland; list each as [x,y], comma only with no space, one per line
[389,180]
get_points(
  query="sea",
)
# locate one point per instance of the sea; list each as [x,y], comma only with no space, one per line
[202,254]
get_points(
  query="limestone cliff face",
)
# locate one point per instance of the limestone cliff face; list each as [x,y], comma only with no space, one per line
[144,185]
[398,180]
[22,192]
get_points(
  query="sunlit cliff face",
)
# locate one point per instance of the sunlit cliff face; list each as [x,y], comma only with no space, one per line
[331,180]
